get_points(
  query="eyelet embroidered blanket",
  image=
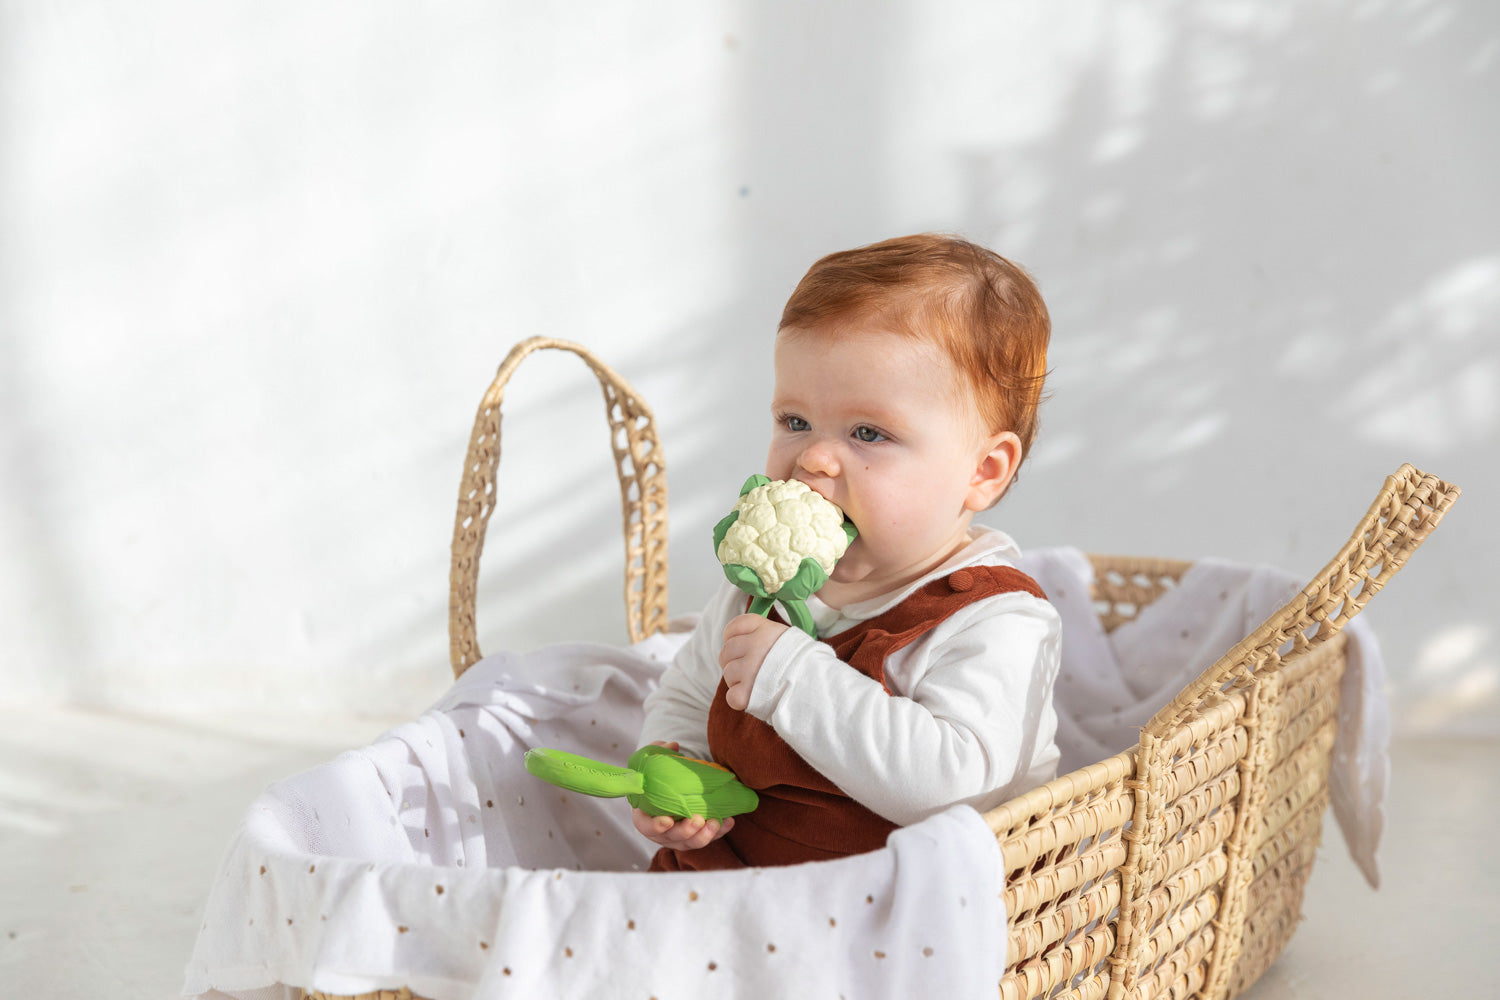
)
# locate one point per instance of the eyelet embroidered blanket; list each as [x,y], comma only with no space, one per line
[432,860]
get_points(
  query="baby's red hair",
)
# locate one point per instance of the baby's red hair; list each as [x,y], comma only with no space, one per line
[980,309]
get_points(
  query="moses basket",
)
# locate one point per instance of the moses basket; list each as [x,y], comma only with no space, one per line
[1175,868]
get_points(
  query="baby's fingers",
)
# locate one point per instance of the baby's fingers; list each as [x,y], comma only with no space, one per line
[743,625]
[737,695]
[683,834]
[651,827]
[689,833]
[698,832]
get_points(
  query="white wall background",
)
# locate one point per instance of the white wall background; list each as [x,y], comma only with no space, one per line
[258,262]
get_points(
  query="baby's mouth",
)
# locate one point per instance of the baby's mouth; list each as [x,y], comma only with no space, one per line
[842,512]
[854,528]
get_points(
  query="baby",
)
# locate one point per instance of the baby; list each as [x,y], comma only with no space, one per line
[908,375]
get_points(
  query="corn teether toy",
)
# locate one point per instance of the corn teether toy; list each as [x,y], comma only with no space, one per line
[656,780]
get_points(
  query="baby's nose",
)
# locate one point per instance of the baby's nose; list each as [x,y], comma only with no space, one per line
[817,461]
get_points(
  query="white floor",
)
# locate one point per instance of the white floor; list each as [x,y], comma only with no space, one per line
[111,828]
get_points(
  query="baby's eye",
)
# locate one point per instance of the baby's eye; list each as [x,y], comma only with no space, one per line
[867,434]
[796,424]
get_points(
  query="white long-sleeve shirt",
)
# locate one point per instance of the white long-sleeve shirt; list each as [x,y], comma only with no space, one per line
[969,716]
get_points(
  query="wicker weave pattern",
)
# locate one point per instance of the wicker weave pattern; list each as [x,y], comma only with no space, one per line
[1174,868]
[1126,585]
[1201,838]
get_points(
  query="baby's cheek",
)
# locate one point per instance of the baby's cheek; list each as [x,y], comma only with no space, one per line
[778,464]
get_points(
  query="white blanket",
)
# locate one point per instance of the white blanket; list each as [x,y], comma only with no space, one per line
[433,860]
[1111,684]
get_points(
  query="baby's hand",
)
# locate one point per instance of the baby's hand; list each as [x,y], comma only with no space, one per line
[747,640]
[681,834]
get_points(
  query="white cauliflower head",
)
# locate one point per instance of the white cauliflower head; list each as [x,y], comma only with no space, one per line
[778,524]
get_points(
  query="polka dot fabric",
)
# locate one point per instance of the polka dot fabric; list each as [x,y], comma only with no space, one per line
[1110,684]
[432,860]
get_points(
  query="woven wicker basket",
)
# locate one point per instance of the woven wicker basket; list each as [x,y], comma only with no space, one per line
[1173,869]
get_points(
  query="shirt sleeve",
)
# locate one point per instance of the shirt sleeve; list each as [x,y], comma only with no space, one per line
[677,711]
[976,725]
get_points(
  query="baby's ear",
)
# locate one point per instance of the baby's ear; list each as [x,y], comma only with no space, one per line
[996,467]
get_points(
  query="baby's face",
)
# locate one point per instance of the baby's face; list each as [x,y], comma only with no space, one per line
[880,424]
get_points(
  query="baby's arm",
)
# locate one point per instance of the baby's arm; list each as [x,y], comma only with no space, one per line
[677,711]
[979,706]
[677,717]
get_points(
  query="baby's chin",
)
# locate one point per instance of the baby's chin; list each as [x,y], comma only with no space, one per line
[841,575]
[851,567]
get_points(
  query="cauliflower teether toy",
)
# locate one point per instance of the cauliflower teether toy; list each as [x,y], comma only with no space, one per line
[780,543]
[656,780]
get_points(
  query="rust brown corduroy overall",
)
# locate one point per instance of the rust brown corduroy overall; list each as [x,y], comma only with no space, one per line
[802,815]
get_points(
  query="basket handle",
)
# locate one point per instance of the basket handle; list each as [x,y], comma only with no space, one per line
[643,501]
[1409,506]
